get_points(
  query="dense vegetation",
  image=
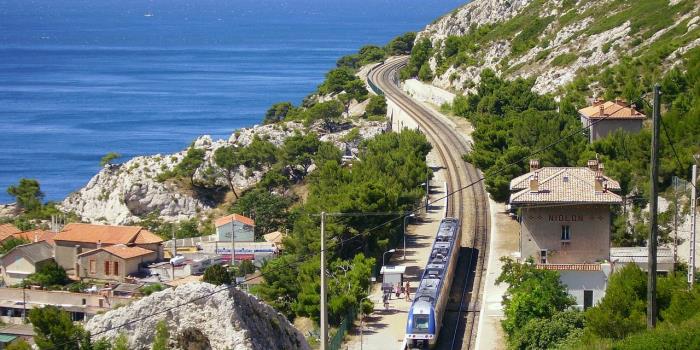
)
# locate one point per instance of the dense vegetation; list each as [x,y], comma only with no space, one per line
[386,178]
[538,313]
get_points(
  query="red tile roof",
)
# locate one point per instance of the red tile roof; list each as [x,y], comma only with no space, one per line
[122,251]
[557,185]
[7,230]
[234,217]
[38,235]
[610,110]
[89,233]
[146,237]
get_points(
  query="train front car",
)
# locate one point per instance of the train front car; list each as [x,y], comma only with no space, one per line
[421,326]
[425,315]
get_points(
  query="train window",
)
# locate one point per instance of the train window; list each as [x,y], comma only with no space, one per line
[421,322]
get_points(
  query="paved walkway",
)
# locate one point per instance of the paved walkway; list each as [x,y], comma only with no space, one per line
[385,329]
[504,242]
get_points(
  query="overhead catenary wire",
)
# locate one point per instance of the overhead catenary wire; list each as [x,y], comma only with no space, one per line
[362,234]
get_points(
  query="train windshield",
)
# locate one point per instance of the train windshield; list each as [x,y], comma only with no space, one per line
[420,323]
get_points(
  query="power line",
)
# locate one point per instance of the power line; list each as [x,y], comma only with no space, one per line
[673,148]
[415,210]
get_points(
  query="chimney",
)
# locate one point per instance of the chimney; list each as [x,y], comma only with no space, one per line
[599,187]
[534,165]
[36,237]
[99,244]
[534,183]
[601,110]
[593,165]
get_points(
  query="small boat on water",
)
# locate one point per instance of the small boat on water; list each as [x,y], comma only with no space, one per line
[148,14]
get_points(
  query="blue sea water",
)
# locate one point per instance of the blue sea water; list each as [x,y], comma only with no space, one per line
[80,78]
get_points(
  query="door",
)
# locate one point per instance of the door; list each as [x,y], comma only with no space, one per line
[587,299]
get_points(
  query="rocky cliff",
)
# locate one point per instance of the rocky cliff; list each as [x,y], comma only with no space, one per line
[555,40]
[121,194]
[225,320]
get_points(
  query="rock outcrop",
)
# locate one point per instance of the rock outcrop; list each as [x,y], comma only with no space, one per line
[123,193]
[229,319]
[557,40]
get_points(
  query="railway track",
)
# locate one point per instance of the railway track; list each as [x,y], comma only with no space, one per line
[469,205]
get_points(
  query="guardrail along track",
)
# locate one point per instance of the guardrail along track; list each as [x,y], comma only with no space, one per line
[469,205]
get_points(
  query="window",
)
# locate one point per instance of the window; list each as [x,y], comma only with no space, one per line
[565,233]
[116,268]
[421,323]
[106,268]
[93,267]
[543,256]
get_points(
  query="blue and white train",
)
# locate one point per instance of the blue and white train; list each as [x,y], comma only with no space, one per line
[430,299]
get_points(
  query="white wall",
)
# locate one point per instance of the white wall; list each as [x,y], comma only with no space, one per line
[578,281]
[427,93]
[244,233]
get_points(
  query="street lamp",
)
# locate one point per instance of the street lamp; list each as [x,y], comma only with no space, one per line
[384,255]
[404,233]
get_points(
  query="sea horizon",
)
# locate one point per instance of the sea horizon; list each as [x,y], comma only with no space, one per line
[79,79]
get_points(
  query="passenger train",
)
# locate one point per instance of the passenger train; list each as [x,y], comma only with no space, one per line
[428,308]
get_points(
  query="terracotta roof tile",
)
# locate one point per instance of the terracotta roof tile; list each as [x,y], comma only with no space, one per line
[7,230]
[564,185]
[122,251]
[39,235]
[610,110]
[90,233]
[146,237]
[569,267]
[235,217]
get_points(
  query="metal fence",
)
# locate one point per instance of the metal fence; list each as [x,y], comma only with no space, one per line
[345,325]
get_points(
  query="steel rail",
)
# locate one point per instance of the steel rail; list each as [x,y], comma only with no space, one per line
[450,147]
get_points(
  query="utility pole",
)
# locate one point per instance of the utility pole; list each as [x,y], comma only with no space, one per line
[675,220]
[172,262]
[233,243]
[693,226]
[653,208]
[324,311]
[24,304]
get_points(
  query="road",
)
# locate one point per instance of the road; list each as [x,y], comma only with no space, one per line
[470,204]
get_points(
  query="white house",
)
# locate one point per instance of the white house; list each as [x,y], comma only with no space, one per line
[243,227]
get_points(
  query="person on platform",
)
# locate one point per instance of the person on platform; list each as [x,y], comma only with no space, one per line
[407,290]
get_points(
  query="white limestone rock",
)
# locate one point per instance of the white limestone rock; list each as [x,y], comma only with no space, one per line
[230,319]
[594,50]
[123,193]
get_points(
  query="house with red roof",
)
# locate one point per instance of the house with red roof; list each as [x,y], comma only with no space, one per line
[244,228]
[565,216]
[605,117]
[77,238]
[114,262]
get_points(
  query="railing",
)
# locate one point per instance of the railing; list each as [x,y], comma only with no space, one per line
[345,325]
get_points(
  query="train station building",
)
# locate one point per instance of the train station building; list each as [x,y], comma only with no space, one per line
[565,219]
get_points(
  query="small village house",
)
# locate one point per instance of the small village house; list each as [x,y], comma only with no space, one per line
[76,239]
[604,118]
[565,215]
[24,260]
[115,262]
[244,228]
